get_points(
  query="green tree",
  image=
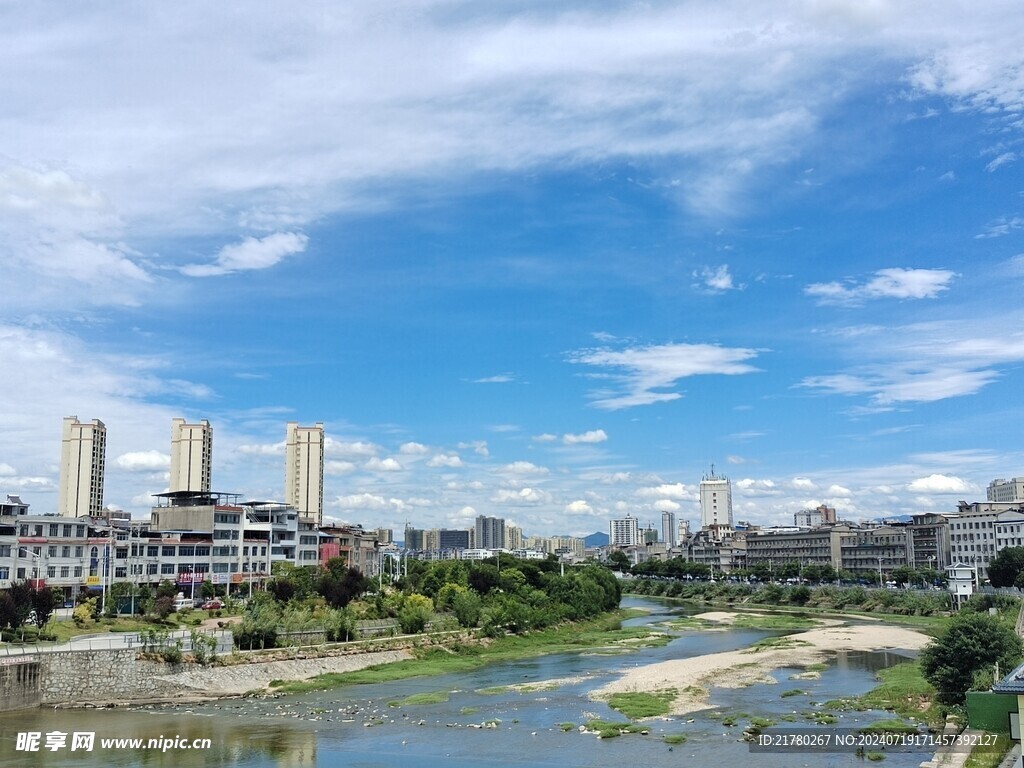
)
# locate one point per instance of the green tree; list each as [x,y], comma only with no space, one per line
[467,606]
[619,560]
[339,584]
[971,644]
[415,613]
[8,614]
[44,603]
[1006,566]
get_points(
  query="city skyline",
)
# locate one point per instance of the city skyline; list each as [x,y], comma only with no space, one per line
[545,265]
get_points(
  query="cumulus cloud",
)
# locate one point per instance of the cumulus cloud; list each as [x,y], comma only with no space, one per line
[642,372]
[838,491]
[716,279]
[445,460]
[369,501]
[524,468]
[666,491]
[545,438]
[252,253]
[578,507]
[334,467]
[524,496]
[413,449]
[137,461]
[591,437]
[262,449]
[479,447]
[894,283]
[666,505]
[802,484]
[357,448]
[6,470]
[939,484]
[382,465]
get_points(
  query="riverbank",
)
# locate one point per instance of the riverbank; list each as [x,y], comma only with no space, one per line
[688,682]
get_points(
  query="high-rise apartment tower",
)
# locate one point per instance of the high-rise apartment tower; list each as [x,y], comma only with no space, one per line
[715,500]
[83,455]
[191,456]
[304,469]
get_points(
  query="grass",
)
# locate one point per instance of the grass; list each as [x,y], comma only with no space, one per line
[773,643]
[889,726]
[674,738]
[430,662]
[989,755]
[793,692]
[432,697]
[875,757]
[566,727]
[607,729]
[636,706]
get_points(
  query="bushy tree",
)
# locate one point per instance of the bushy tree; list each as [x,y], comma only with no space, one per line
[414,614]
[8,614]
[339,584]
[1006,566]
[972,643]
[466,606]
[44,603]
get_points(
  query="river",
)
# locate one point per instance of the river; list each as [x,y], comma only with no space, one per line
[483,723]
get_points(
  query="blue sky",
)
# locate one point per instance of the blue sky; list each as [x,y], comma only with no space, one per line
[542,261]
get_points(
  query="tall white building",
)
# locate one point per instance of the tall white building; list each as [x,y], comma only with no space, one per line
[304,469]
[1011,490]
[624,532]
[715,500]
[83,455]
[191,456]
[668,528]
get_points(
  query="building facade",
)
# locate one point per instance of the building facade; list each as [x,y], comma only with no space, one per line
[1011,490]
[715,501]
[490,533]
[83,456]
[624,532]
[669,533]
[191,456]
[304,469]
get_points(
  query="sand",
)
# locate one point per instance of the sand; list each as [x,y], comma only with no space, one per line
[693,677]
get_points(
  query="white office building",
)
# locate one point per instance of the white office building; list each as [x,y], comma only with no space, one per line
[83,457]
[191,456]
[1011,490]
[304,470]
[715,501]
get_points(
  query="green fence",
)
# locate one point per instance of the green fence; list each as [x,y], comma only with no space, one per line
[989,711]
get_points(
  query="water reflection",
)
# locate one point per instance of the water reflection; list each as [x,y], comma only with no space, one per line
[501,715]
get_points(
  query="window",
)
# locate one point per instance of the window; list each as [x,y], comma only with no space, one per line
[79,551]
[184,551]
[66,531]
[121,572]
[78,571]
[220,567]
[167,552]
[202,551]
[65,551]
[80,531]
[65,571]
[51,551]
[51,572]
[121,553]
[152,551]
[167,569]
[53,529]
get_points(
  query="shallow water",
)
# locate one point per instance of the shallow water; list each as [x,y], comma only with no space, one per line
[360,727]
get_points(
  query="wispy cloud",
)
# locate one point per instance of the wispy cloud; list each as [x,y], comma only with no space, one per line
[590,437]
[1007,158]
[893,283]
[500,378]
[1001,227]
[252,253]
[643,371]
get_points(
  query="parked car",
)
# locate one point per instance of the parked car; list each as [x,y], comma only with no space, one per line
[212,605]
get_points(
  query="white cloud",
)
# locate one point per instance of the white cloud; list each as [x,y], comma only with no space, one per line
[333,467]
[369,501]
[939,484]
[716,279]
[136,461]
[524,496]
[838,491]
[445,460]
[666,491]
[578,507]
[649,369]
[479,447]
[736,459]
[802,484]
[893,283]
[251,253]
[524,468]
[6,470]
[1007,158]
[501,378]
[545,438]
[666,505]
[382,465]
[413,449]
[357,448]
[1001,227]
[263,449]
[590,437]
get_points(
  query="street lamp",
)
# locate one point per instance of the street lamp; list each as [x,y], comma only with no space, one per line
[35,563]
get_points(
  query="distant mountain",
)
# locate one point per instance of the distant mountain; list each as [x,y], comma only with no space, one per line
[596,540]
